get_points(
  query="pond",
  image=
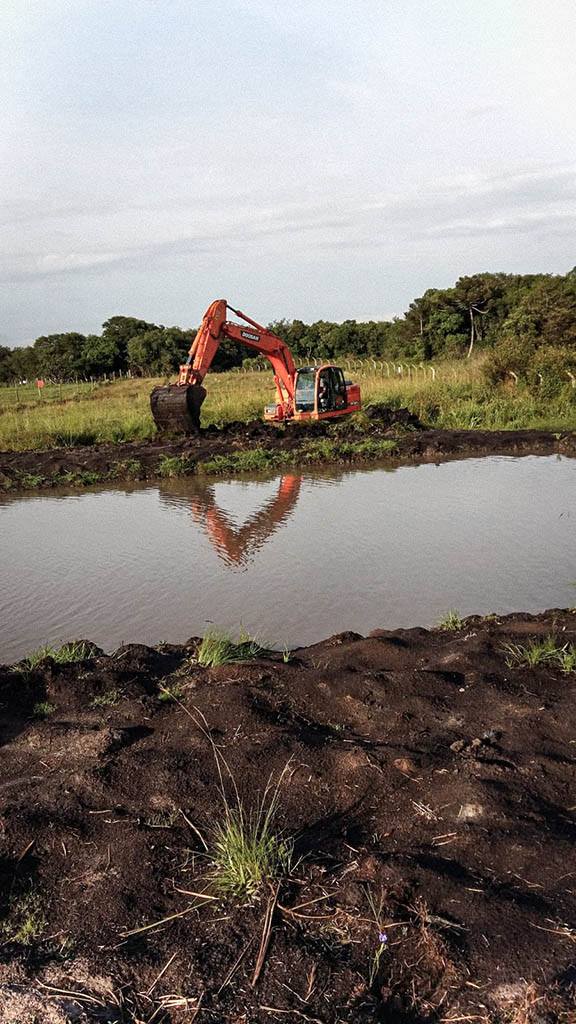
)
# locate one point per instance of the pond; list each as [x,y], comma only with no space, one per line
[293,558]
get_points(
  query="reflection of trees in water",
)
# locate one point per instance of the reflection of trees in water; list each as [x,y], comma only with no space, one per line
[237,545]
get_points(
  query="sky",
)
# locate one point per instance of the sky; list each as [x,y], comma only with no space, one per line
[306,159]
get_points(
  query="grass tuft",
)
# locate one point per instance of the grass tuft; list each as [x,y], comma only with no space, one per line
[25,920]
[107,700]
[43,709]
[538,651]
[247,849]
[452,622]
[76,650]
[175,465]
[217,648]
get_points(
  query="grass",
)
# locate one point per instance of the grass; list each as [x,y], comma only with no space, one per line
[25,920]
[452,622]
[73,651]
[174,465]
[170,694]
[458,397]
[43,709]
[107,700]
[247,849]
[218,648]
[539,651]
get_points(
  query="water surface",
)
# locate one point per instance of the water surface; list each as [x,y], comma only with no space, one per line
[293,558]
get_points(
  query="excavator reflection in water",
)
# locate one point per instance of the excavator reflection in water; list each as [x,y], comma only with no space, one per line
[236,546]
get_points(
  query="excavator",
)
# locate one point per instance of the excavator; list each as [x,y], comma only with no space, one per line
[310,393]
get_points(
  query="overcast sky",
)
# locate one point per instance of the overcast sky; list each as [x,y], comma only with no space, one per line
[302,158]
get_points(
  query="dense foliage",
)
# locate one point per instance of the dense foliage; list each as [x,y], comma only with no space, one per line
[527,322]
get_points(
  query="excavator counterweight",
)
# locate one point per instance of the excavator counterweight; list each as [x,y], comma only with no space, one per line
[315,392]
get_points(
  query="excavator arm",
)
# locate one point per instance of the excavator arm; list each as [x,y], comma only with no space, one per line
[215,328]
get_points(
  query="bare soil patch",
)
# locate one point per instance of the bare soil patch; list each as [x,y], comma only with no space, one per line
[425,778]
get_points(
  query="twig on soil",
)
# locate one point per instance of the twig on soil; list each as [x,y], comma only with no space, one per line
[164,920]
[195,830]
[158,976]
[234,968]
[81,997]
[25,850]
[200,895]
[566,932]
[266,932]
[296,1013]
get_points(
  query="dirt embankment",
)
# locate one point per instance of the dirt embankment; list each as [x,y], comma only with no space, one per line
[430,792]
[384,434]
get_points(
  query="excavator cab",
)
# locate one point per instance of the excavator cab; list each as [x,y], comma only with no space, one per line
[320,391]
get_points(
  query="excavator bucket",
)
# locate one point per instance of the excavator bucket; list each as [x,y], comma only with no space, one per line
[176,407]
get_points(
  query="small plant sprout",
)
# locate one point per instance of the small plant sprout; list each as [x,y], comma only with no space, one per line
[170,694]
[43,709]
[376,911]
[453,621]
[107,700]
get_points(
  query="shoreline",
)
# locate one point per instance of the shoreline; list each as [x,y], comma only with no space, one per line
[390,436]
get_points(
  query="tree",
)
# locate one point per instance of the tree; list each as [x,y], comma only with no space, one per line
[6,368]
[59,356]
[160,351]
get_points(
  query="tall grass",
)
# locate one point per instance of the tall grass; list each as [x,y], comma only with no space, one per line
[457,397]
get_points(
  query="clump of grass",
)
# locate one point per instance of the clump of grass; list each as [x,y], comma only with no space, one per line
[567,659]
[247,848]
[538,651]
[126,469]
[175,465]
[43,709]
[217,648]
[452,622]
[246,462]
[76,650]
[25,920]
[535,652]
[107,700]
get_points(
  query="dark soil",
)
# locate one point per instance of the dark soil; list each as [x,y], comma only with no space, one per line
[142,460]
[425,778]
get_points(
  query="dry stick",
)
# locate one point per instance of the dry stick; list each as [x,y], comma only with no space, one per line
[25,850]
[163,971]
[296,1013]
[79,996]
[234,968]
[200,895]
[194,829]
[266,932]
[156,924]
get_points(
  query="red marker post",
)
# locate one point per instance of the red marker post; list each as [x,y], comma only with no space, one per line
[40,386]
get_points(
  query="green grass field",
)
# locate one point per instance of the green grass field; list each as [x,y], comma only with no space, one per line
[455,396]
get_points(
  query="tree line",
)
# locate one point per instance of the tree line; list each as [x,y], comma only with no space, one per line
[526,321]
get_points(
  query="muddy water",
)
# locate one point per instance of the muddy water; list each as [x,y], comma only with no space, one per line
[293,559]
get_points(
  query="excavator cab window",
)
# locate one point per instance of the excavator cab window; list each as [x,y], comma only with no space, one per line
[304,393]
[331,390]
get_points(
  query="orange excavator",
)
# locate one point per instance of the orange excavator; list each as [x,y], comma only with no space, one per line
[311,393]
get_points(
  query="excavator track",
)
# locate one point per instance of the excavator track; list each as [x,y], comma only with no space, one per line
[176,407]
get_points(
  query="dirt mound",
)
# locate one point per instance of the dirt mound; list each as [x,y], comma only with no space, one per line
[429,792]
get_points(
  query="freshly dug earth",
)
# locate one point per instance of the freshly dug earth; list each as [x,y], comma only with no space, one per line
[429,790]
[144,460]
